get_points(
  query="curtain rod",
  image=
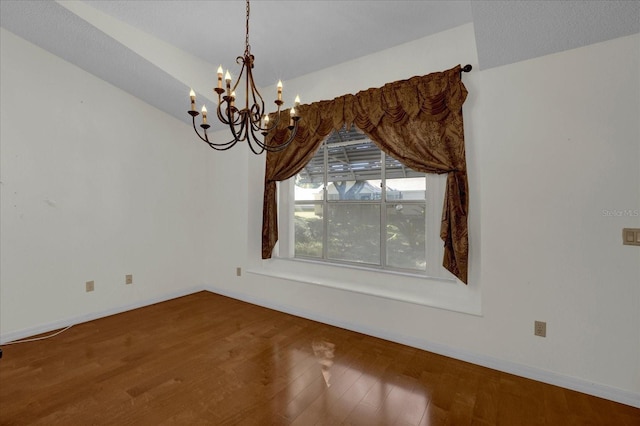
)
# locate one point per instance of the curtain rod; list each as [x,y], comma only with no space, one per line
[467,68]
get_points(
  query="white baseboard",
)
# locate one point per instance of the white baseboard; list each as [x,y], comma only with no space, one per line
[550,377]
[56,325]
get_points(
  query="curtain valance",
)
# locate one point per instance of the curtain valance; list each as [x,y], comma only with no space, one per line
[417,121]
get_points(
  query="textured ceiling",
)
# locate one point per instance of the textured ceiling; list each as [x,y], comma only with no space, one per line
[512,31]
[289,38]
[156,49]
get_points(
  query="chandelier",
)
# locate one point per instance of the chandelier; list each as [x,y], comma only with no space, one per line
[251,121]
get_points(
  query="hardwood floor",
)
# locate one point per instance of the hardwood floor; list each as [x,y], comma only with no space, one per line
[207,359]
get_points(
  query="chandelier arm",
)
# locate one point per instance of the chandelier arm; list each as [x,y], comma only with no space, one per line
[205,139]
[273,124]
[240,60]
[213,145]
[292,135]
[255,93]
[255,150]
[224,119]
[248,79]
[280,147]
[223,146]
[259,110]
[252,138]
[221,117]
[256,117]
[256,139]
[239,120]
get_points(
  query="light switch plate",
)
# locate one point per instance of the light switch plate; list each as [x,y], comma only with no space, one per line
[631,236]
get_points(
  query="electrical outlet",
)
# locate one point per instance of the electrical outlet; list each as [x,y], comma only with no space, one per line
[89,286]
[540,329]
[631,236]
[128,279]
[238,272]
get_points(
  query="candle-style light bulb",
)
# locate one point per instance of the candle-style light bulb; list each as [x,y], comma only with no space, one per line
[192,95]
[296,102]
[227,78]
[220,77]
[233,97]
[292,113]
[279,90]
[204,114]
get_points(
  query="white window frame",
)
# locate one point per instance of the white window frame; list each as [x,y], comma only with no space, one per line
[435,188]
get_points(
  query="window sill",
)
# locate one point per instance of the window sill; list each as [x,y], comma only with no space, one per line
[438,293]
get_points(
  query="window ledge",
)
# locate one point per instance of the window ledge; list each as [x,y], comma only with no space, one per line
[441,293]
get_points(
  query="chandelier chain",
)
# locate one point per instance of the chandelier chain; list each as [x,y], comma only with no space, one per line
[247,47]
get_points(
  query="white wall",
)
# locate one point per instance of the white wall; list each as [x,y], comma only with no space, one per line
[95,184]
[551,143]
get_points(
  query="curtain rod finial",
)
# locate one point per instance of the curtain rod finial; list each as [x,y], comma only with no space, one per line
[467,68]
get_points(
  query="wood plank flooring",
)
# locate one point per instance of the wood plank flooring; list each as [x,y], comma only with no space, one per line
[205,359]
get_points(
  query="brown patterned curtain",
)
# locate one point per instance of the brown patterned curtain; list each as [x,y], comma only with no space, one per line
[417,121]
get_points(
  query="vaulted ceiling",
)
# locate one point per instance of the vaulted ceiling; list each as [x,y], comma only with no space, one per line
[156,50]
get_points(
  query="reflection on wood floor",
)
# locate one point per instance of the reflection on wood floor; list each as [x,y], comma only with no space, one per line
[208,359]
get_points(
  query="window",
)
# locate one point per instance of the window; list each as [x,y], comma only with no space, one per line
[355,205]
